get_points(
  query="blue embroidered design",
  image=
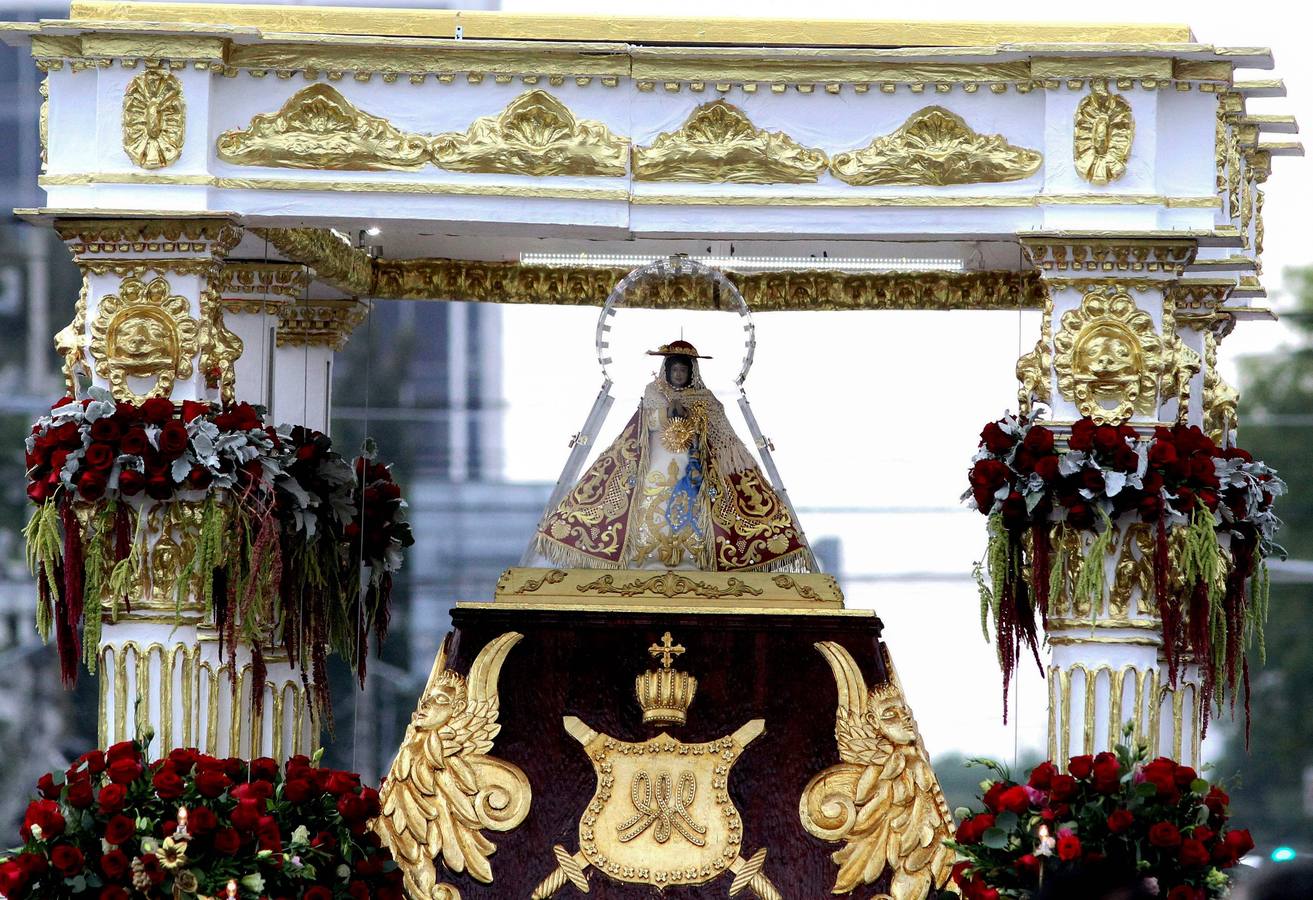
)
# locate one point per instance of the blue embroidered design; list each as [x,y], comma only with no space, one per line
[681,508]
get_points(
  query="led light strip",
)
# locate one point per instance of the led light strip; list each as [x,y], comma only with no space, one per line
[749,263]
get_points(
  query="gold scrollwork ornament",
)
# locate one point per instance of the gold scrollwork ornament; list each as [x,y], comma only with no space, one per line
[1104,130]
[883,800]
[154,119]
[143,332]
[936,147]
[1108,357]
[444,788]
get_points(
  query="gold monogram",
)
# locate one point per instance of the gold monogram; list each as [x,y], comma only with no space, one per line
[669,811]
[143,332]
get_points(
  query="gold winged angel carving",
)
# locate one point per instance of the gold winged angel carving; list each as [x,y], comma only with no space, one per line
[883,801]
[444,788]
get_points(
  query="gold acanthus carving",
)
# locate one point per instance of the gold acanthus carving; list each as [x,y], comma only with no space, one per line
[936,147]
[154,119]
[444,789]
[1180,363]
[669,585]
[1130,599]
[1035,369]
[1104,130]
[220,348]
[535,135]
[145,332]
[882,801]
[1108,357]
[1220,401]
[718,144]
[334,260]
[71,343]
[318,128]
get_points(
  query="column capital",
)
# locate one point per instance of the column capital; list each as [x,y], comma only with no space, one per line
[255,286]
[1073,254]
[320,323]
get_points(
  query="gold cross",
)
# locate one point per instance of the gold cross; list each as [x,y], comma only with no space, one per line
[667,650]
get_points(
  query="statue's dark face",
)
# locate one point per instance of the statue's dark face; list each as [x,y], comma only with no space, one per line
[679,373]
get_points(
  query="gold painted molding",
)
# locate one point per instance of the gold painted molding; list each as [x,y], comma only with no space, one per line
[1104,131]
[718,144]
[154,119]
[936,147]
[319,323]
[318,128]
[535,135]
[883,801]
[1056,252]
[648,590]
[333,259]
[255,278]
[444,787]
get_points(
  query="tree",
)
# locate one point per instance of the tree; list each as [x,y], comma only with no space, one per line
[1277,426]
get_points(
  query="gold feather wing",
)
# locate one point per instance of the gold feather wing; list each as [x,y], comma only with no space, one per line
[883,801]
[443,788]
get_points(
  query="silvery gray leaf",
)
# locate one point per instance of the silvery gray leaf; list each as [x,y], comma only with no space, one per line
[1071,463]
[1113,482]
[180,470]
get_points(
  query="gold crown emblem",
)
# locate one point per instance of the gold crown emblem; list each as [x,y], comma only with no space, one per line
[666,693]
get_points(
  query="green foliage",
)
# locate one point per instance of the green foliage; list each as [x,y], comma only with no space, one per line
[1277,425]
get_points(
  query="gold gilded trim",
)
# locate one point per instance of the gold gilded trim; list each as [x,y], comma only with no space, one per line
[638,29]
[417,58]
[262,279]
[641,589]
[936,147]
[585,606]
[154,47]
[318,128]
[1121,67]
[536,134]
[882,801]
[718,143]
[319,323]
[154,119]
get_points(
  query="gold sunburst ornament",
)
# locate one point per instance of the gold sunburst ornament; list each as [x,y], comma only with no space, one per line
[1104,131]
[1108,357]
[143,332]
[154,119]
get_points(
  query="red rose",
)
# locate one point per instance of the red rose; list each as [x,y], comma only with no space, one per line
[46,815]
[266,832]
[66,436]
[1080,515]
[1082,435]
[340,783]
[115,864]
[372,806]
[131,482]
[986,477]
[227,841]
[123,750]
[1106,437]
[1120,820]
[202,821]
[173,439]
[351,808]
[1064,788]
[1092,480]
[1014,510]
[297,790]
[211,784]
[113,892]
[67,859]
[1038,440]
[79,793]
[150,867]
[168,786]
[1193,853]
[1185,776]
[182,759]
[1185,892]
[1161,454]
[157,410]
[1080,766]
[107,429]
[1046,467]
[91,485]
[971,829]
[1217,801]
[1164,834]
[235,768]
[159,486]
[46,787]
[39,491]
[119,829]
[317,892]
[995,439]
[1161,773]
[134,443]
[98,457]
[1238,841]
[264,769]
[246,815]
[112,798]
[1068,847]
[253,790]
[95,761]
[1013,800]
[358,889]
[192,408]
[1107,773]
[124,771]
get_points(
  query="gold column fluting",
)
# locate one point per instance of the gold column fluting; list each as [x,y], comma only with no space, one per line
[1118,343]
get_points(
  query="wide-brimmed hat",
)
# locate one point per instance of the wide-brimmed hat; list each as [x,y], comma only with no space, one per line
[677,348]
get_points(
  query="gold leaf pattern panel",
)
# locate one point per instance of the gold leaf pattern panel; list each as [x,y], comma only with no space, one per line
[936,147]
[719,144]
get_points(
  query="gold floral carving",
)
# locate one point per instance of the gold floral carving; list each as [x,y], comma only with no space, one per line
[883,800]
[535,135]
[71,342]
[143,332]
[220,348]
[670,585]
[645,589]
[1133,573]
[1220,400]
[718,144]
[1035,369]
[154,119]
[936,147]
[1104,130]
[444,789]
[1180,363]
[318,128]
[1108,357]
[1130,600]
[333,259]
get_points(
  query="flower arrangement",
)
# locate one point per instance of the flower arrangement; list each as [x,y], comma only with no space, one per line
[193,826]
[1155,821]
[276,527]
[1212,600]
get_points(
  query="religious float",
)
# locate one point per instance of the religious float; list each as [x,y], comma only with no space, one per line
[645,702]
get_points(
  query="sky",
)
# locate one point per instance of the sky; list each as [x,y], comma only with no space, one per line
[874,415]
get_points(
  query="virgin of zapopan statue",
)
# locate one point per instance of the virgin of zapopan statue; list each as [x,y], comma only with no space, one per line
[676,490]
